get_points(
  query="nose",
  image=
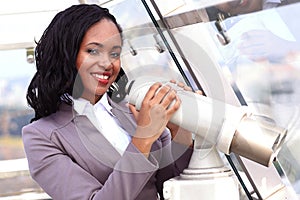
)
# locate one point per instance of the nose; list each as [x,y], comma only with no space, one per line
[105,61]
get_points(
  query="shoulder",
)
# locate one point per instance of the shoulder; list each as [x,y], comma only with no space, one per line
[46,125]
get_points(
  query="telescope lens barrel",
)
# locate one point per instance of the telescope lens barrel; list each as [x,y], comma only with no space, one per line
[257,140]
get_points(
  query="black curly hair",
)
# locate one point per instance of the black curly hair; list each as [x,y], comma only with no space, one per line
[56,54]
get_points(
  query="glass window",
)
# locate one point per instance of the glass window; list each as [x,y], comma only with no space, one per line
[21,22]
[255,44]
[15,75]
[255,47]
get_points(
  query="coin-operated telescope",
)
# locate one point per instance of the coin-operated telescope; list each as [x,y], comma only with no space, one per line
[222,127]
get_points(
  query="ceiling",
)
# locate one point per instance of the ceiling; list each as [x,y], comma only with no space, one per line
[23,21]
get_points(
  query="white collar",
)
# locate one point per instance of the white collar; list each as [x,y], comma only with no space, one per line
[103,102]
[81,104]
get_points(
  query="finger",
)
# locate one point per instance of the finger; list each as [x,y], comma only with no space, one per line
[199,92]
[184,86]
[174,107]
[168,99]
[181,84]
[187,88]
[133,110]
[161,94]
[173,81]
[152,90]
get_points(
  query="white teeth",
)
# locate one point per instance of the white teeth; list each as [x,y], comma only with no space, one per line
[101,76]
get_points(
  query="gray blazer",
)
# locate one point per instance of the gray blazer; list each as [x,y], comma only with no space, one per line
[70,159]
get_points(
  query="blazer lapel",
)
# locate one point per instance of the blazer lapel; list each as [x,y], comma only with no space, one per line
[98,146]
[124,115]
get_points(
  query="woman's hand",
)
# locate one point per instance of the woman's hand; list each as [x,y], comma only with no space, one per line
[156,110]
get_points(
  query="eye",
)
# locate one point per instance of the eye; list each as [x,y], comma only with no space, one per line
[114,54]
[93,51]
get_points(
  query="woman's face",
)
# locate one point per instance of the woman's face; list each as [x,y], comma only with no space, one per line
[98,60]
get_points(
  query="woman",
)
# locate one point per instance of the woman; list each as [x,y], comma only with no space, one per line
[81,144]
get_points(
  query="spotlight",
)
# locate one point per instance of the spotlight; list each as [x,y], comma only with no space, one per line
[158,44]
[30,55]
[131,49]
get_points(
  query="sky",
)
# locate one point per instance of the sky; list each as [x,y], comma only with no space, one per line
[13,64]
[23,21]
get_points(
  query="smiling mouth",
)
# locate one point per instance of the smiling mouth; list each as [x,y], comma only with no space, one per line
[101,78]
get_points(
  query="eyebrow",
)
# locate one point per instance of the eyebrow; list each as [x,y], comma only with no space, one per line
[102,46]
